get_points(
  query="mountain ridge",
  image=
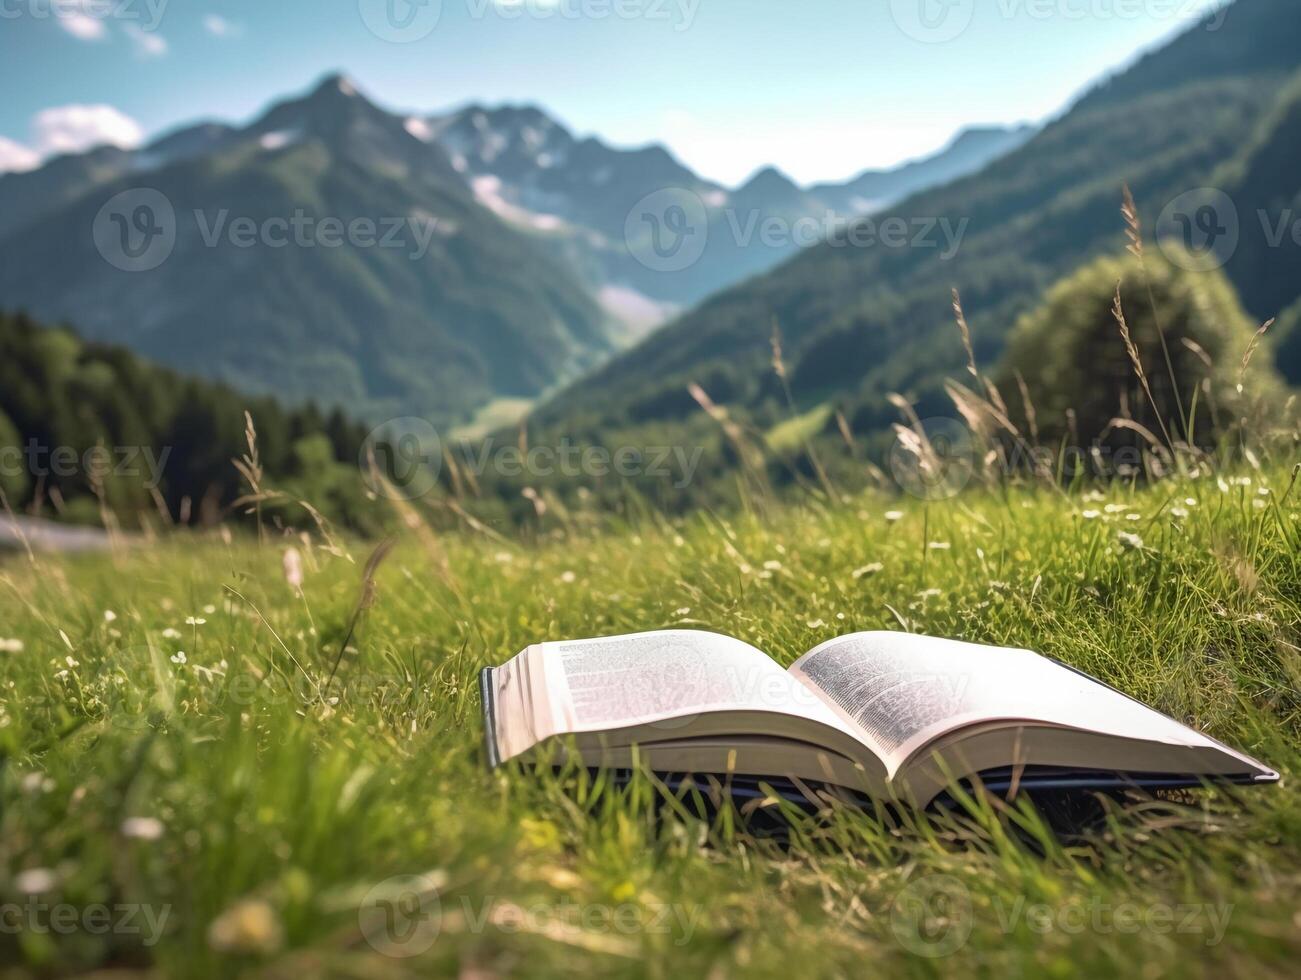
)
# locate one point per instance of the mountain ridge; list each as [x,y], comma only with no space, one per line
[858,323]
[480,312]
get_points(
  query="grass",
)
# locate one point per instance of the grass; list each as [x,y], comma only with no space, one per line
[793,433]
[496,414]
[251,809]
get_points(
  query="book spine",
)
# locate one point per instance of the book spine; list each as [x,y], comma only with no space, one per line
[487,691]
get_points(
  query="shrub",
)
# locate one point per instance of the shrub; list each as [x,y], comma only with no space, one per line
[13,476]
[1074,358]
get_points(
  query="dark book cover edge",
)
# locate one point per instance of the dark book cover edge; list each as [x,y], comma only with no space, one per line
[486,691]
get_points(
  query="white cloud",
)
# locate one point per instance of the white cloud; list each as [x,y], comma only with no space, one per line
[219,26]
[147,43]
[15,157]
[82,26]
[75,128]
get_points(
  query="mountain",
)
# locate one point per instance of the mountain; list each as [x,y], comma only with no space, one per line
[521,156]
[585,198]
[540,253]
[969,151]
[1263,184]
[25,195]
[860,321]
[324,251]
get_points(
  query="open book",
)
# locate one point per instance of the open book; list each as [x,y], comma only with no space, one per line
[892,715]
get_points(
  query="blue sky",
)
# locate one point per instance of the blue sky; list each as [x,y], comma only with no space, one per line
[821,88]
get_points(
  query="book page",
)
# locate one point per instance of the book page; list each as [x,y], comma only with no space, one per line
[679,698]
[903,690]
[667,678]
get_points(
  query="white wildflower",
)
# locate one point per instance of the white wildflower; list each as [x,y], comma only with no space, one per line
[109,615]
[179,657]
[194,620]
[893,515]
[142,828]
[171,634]
[11,646]
[37,782]
[248,927]
[35,881]
[1132,541]
[871,569]
[293,569]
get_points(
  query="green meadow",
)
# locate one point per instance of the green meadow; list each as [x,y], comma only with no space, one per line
[225,754]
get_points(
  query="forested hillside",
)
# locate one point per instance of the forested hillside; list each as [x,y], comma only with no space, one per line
[81,420]
[859,321]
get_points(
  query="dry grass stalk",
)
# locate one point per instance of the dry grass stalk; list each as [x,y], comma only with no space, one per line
[846,432]
[1251,351]
[965,330]
[106,515]
[453,471]
[1199,351]
[411,520]
[22,537]
[988,415]
[365,600]
[778,365]
[1027,405]
[250,467]
[161,506]
[1131,348]
[751,458]
[1133,226]
[779,368]
[332,545]
[914,440]
[475,524]
[995,397]
[1134,232]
